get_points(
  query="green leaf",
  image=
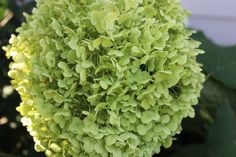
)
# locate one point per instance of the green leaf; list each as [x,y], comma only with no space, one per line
[136,51]
[218,61]
[142,129]
[110,140]
[67,72]
[213,93]
[103,84]
[88,145]
[150,11]
[78,68]
[131,4]
[83,76]
[110,20]
[222,134]
[80,52]
[53,94]
[86,64]
[118,53]
[163,75]
[196,150]
[135,33]
[73,42]
[50,58]
[97,19]
[90,126]
[71,57]
[148,39]
[60,117]
[168,142]
[99,148]
[57,27]
[124,60]
[76,126]
[55,128]
[58,98]
[97,42]
[165,119]
[139,76]
[147,103]
[148,116]
[106,42]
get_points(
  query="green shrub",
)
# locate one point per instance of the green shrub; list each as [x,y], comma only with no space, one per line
[105,78]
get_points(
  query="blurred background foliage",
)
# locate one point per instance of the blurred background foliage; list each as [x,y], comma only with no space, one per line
[212,133]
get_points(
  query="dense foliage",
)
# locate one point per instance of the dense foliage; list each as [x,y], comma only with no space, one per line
[191,142]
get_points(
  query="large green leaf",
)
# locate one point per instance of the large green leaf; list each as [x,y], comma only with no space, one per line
[193,150]
[214,93]
[219,62]
[222,134]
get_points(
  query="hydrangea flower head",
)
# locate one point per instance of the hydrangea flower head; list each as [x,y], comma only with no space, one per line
[105,78]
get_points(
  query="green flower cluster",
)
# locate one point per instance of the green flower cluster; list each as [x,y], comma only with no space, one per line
[105,78]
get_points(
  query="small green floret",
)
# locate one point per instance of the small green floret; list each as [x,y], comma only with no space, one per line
[105,78]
